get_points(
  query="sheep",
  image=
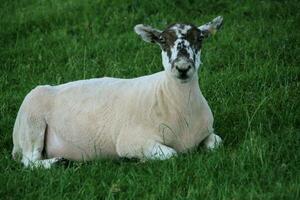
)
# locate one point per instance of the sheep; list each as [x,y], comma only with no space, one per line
[149,117]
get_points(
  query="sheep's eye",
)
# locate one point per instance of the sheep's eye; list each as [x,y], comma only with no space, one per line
[200,37]
[162,40]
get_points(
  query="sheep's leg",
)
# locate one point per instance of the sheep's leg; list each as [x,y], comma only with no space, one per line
[134,145]
[29,135]
[29,129]
[212,141]
[32,144]
[46,163]
[33,136]
[159,151]
[32,148]
[149,149]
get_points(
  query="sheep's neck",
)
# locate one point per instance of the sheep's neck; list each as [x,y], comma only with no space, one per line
[173,96]
[179,93]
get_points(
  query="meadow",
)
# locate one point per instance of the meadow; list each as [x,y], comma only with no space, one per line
[250,77]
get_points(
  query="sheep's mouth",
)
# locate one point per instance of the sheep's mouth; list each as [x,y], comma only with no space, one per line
[183,76]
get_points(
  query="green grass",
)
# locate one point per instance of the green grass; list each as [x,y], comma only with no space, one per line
[250,78]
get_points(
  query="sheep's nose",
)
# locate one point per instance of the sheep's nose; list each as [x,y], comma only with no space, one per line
[183,69]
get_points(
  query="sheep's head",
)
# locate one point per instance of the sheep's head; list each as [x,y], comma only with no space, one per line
[180,45]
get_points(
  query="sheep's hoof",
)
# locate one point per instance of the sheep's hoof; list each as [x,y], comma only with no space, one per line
[62,161]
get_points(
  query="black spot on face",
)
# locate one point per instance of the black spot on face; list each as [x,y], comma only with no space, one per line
[194,36]
[168,38]
[182,49]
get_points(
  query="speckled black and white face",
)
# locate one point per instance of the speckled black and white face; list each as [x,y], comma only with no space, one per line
[180,45]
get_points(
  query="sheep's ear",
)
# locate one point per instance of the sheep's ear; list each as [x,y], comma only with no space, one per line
[211,28]
[147,33]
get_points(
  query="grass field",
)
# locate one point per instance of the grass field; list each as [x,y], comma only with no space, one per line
[250,77]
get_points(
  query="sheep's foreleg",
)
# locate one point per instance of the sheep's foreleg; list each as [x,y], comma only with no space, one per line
[212,141]
[159,151]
